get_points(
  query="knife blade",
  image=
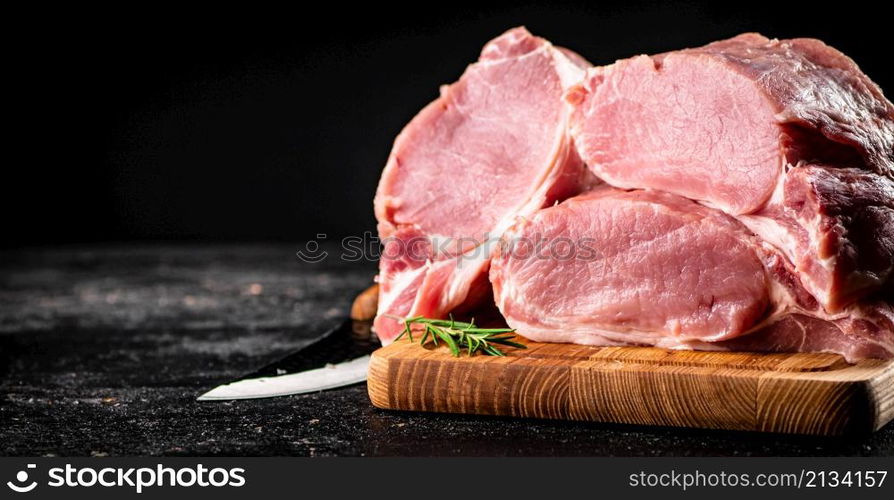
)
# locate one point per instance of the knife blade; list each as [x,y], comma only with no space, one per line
[337,358]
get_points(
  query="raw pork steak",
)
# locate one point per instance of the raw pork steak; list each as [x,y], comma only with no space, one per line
[494,145]
[612,267]
[789,136]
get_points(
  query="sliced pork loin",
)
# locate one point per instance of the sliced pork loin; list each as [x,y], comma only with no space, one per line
[613,267]
[720,123]
[836,225]
[864,332]
[632,267]
[789,136]
[494,145]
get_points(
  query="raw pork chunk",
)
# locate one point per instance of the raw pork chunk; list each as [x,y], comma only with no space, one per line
[494,145]
[613,267]
[788,136]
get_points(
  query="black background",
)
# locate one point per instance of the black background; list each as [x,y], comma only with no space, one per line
[219,124]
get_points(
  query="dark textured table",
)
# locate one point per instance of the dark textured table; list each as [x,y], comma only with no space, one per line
[103,351]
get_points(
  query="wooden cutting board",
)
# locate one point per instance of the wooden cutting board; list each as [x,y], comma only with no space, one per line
[791,393]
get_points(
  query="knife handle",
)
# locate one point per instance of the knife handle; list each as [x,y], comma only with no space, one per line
[366,304]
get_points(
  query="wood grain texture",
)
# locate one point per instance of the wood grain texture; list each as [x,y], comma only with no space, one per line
[801,393]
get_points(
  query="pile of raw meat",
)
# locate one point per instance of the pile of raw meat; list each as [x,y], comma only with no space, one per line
[737,196]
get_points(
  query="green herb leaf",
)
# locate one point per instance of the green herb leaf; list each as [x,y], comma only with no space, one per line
[461,336]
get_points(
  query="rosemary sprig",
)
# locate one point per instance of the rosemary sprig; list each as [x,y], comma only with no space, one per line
[459,336]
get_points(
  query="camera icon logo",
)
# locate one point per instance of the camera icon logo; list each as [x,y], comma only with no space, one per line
[21,477]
